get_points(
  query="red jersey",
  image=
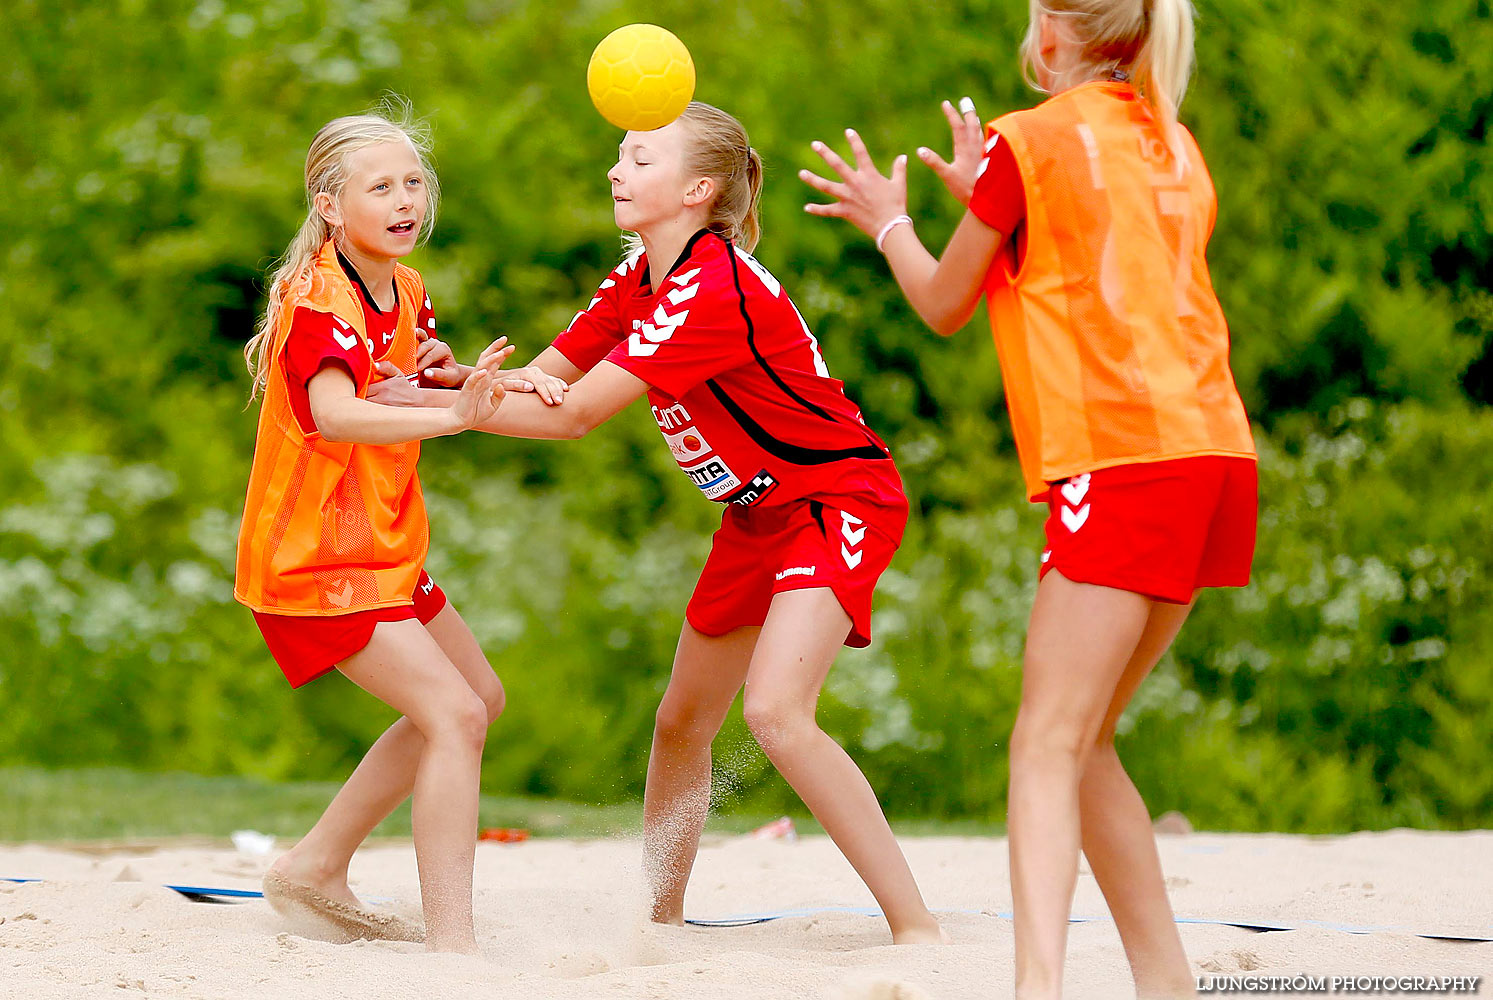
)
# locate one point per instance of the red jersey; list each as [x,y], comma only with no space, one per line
[319,339]
[738,387]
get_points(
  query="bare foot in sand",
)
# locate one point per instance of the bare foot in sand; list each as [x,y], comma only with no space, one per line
[330,883]
[929,933]
[312,907]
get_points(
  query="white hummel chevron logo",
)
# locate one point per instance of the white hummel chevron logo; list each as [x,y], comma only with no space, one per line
[661,318]
[1074,490]
[591,304]
[679,295]
[348,341]
[853,536]
[608,283]
[1074,519]
[985,160]
[686,277]
[660,326]
[342,322]
[654,334]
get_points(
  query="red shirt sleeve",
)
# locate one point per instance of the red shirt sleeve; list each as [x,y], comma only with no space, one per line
[998,199]
[425,318]
[425,322]
[596,329]
[318,339]
[695,332]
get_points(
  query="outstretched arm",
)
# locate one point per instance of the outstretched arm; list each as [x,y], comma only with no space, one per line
[546,376]
[944,291]
[593,400]
[341,416]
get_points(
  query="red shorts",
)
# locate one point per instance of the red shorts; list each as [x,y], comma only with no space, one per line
[308,646]
[1161,529]
[757,552]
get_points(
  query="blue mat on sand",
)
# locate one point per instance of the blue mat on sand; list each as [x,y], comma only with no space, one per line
[208,894]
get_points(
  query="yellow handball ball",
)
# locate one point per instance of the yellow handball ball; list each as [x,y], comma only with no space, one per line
[641,77]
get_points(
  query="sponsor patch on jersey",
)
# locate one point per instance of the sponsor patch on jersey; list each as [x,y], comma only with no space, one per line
[760,485]
[713,477]
[688,445]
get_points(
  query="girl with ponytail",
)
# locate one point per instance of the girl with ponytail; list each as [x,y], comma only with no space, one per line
[813,505]
[332,547]
[1086,224]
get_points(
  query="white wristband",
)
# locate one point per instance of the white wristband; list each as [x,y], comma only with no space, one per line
[893,224]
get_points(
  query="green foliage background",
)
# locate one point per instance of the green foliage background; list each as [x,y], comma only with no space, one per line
[152,160]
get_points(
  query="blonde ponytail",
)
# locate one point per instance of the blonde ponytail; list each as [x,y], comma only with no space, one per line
[1150,40]
[326,173]
[1164,65]
[720,149]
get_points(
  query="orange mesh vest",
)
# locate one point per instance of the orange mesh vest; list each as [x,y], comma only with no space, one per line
[1113,347]
[331,528]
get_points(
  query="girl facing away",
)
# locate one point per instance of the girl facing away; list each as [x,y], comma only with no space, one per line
[813,505]
[334,537]
[1086,225]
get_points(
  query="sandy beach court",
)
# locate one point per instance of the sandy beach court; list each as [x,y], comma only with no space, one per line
[564,919]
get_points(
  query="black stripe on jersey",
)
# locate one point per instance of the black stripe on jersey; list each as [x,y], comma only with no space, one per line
[782,449]
[352,272]
[816,509]
[759,433]
[752,340]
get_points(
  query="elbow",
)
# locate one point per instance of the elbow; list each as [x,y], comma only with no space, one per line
[331,430]
[947,323]
[945,326]
[579,424]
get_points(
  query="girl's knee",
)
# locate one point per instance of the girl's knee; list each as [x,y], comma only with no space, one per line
[680,720]
[775,721]
[455,717]
[495,698]
[1051,741]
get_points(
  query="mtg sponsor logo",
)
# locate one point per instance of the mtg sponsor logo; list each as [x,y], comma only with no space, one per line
[672,418]
[713,477]
[761,484]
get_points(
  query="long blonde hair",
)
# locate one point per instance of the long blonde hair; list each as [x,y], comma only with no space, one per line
[326,173]
[720,149]
[1151,40]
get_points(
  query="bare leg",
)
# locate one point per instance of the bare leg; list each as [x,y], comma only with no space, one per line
[385,776]
[708,671]
[1119,843]
[799,641]
[405,667]
[1080,640]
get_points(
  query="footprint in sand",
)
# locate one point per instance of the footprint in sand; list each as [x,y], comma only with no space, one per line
[579,964]
[880,989]
[1238,960]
